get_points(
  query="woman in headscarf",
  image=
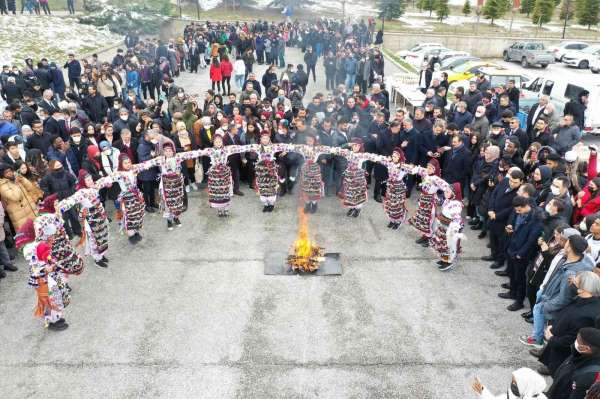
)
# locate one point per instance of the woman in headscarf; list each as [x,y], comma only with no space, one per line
[525,384]
[541,180]
[448,228]
[431,183]
[354,186]
[92,214]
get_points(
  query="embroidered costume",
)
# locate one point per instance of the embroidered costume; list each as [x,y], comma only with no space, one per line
[311,182]
[220,183]
[394,202]
[448,227]
[267,180]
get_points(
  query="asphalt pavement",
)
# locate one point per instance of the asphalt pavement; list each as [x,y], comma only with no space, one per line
[190,314]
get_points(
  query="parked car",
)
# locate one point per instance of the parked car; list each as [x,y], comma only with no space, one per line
[560,49]
[562,91]
[445,54]
[467,70]
[581,58]
[416,58]
[450,63]
[529,53]
[595,64]
[417,48]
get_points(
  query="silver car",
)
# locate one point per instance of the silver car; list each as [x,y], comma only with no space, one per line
[529,53]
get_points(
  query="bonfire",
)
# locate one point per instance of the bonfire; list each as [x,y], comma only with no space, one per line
[306,255]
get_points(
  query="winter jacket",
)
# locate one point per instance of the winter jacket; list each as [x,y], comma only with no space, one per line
[19,199]
[144,151]
[226,69]
[60,183]
[215,73]
[565,138]
[523,240]
[73,69]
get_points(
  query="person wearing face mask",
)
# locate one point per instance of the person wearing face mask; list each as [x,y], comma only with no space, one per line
[579,314]
[579,371]
[525,384]
[556,292]
[552,216]
[62,183]
[560,189]
[480,124]
[127,120]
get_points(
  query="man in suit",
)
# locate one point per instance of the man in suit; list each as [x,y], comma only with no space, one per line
[55,125]
[514,130]
[457,162]
[536,111]
[127,145]
[523,231]
[48,103]
[499,209]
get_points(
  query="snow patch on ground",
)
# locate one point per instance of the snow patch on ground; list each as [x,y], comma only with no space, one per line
[209,4]
[51,37]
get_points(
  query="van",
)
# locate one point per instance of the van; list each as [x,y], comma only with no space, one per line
[561,92]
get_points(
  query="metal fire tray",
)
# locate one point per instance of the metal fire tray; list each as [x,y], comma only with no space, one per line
[276,264]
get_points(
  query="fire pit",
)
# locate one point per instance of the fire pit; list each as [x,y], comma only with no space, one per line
[305,256]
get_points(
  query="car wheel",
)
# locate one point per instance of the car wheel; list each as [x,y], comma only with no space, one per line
[524,62]
[583,64]
[561,58]
[544,65]
[506,56]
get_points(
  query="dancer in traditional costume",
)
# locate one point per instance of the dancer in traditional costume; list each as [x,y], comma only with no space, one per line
[93,215]
[354,186]
[49,228]
[394,202]
[311,182]
[431,183]
[51,288]
[448,228]
[131,200]
[220,184]
[267,181]
[171,187]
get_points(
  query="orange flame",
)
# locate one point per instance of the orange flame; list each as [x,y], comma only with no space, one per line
[303,246]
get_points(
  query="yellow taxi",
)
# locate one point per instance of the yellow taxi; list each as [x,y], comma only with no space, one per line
[467,70]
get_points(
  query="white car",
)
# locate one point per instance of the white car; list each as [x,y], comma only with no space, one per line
[583,58]
[595,65]
[445,54]
[560,49]
[418,47]
[417,58]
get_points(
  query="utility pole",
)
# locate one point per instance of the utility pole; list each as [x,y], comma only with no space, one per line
[568,3]
[179,5]
[343,10]
[197,9]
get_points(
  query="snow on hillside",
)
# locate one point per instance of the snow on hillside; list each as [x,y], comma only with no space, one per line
[52,37]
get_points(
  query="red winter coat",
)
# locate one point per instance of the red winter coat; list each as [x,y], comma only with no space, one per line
[589,205]
[215,73]
[226,69]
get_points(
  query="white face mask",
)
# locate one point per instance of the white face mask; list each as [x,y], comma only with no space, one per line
[180,95]
[124,118]
[154,141]
[577,348]
[555,191]
[548,209]
[76,139]
[478,114]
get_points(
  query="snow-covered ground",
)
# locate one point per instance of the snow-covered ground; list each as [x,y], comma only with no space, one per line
[26,36]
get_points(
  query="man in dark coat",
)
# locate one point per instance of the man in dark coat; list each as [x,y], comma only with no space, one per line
[523,230]
[74,71]
[145,152]
[536,111]
[55,125]
[578,372]
[457,162]
[95,106]
[425,139]
[385,143]
[577,108]
[499,209]
[62,183]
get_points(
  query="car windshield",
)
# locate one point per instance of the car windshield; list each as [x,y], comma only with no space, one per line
[463,67]
[590,50]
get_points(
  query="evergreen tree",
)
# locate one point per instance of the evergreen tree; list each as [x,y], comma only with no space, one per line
[494,9]
[542,11]
[442,9]
[526,7]
[467,8]
[389,9]
[588,12]
[428,5]
[567,5]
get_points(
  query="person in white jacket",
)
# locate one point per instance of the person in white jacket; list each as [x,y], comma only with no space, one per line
[239,72]
[525,384]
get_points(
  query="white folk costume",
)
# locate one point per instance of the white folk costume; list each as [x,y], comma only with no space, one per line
[220,183]
[93,216]
[354,187]
[394,202]
[448,227]
[424,217]
[267,180]
[49,228]
[311,182]
[171,187]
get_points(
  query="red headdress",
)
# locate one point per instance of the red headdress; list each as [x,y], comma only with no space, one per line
[436,167]
[457,189]
[400,152]
[170,145]
[265,133]
[359,141]
[25,234]
[47,205]
[92,152]
[42,251]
